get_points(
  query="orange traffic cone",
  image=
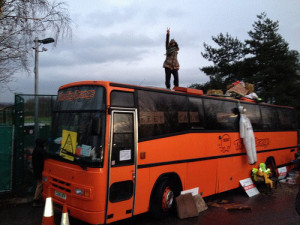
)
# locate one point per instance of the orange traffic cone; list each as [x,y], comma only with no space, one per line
[64,216]
[48,218]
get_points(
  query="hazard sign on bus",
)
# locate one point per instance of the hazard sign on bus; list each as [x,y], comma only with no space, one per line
[68,144]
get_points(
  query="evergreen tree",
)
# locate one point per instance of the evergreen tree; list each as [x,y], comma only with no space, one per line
[270,65]
[212,84]
[264,60]
[226,59]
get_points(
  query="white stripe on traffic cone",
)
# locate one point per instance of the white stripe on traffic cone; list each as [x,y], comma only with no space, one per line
[48,218]
[65,216]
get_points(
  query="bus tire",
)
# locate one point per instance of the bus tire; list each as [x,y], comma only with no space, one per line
[163,198]
[270,163]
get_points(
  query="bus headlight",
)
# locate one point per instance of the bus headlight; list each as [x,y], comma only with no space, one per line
[79,191]
[83,192]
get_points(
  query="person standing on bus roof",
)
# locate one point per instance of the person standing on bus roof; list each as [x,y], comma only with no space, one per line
[171,64]
[247,134]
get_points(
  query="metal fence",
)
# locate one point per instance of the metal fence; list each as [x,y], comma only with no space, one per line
[24,136]
[20,143]
[7,115]
[6,153]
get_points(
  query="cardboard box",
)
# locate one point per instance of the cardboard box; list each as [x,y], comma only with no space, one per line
[186,206]
[200,203]
[239,89]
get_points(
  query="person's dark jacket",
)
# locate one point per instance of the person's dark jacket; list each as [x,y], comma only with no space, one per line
[171,58]
[38,157]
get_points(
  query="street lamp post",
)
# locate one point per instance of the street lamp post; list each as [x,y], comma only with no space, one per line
[36,81]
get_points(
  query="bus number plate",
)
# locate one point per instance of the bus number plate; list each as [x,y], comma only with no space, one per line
[61,195]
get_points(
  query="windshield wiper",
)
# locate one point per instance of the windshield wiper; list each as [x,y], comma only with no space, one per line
[76,158]
[80,163]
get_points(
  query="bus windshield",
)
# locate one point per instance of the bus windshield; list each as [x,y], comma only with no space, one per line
[78,126]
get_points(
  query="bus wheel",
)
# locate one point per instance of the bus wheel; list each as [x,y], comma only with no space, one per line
[270,163]
[167,199]
[272,166]
[163,199]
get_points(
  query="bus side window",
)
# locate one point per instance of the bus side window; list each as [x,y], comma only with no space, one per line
[161,113]
[269,118]
[196,113]
[221,115]
[122,99]
[286,118]
[123,140]
[253,113]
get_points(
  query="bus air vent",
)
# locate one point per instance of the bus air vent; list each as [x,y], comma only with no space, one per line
[62,185]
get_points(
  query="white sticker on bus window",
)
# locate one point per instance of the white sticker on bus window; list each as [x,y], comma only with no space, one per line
[86,150]
[58,140]
[125,155]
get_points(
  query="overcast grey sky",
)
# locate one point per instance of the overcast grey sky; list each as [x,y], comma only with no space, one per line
[123,41]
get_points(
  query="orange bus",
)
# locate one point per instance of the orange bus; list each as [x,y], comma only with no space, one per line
[120,150]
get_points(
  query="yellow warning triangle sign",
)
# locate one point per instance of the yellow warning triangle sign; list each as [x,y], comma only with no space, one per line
[68,144]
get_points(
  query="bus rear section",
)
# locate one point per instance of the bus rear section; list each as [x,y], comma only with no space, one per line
[194,142]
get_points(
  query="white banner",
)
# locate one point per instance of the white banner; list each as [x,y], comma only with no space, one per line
[249,187]
[282,172]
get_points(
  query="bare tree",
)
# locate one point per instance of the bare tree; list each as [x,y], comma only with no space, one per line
[20,22]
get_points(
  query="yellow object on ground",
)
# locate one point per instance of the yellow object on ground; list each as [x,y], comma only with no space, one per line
[262,172]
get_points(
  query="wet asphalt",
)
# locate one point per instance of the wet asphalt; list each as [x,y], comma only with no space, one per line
[276,208]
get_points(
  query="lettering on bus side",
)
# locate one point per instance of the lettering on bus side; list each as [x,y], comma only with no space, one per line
[263,142]
[147,118]
[238,144]
[224,143]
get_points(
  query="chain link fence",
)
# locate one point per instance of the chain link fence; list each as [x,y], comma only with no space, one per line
[6,157]
[7,115]
[20,117]
[24,136]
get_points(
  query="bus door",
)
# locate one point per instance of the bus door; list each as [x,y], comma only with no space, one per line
[122,165]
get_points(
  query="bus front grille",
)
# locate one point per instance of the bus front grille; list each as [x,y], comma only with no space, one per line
[62,185]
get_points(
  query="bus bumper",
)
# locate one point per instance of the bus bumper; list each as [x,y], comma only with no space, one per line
[86,216]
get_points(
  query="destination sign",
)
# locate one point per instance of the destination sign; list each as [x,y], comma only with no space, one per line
[72,95]
[81,98]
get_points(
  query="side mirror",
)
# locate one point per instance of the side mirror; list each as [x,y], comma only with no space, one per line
[96,126]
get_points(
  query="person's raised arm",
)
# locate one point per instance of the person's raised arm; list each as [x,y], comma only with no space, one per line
[167,38]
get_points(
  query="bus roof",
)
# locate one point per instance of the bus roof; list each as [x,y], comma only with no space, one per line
[176,90]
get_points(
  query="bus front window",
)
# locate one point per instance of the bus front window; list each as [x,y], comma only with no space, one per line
[78,129]
[88,143]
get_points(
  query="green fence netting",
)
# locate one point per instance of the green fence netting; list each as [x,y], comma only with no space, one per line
[24,136]
[6,134]
[6,115]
